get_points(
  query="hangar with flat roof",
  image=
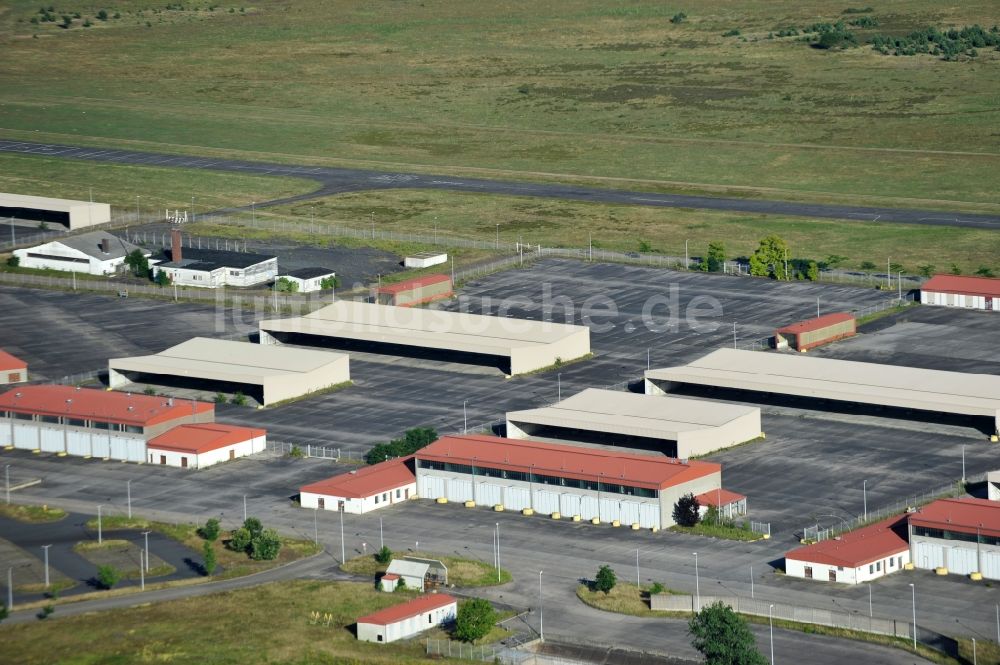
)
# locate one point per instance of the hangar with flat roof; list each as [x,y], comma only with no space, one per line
[837,384]
[676,426]
[514,345]
[269,374]
[71,214]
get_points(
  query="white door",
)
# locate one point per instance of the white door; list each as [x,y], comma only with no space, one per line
[629,512]
[78,443]
[489,495]
[588,507]
[610,510]
[649,516]
[459,490]
[136,450]
[929,556]
[52,440]
[991,565]
[431,487]
[101,447]
[25,437]
[962,560]
[516,498]
[546,503]
[119,448]
[569,504]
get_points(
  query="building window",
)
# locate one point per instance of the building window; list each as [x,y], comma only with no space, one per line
[75,422]
[132,429]
[397,494]
[385,496]
[892,563]
[808,572]
[23,416]
[376,499]
[878,566]
[14,377]
[833,575]
[871,569]
[49,419]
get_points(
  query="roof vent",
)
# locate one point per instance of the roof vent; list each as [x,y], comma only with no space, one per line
[78,387]
[354,472]
[684,461]
[170,401]
[130,407]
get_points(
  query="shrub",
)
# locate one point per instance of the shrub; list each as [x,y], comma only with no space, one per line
[329,283]
[812,272]
[266,546]
[411,442]
[722,636]
[220,398]
[253,526]
[296,452]
[239,541]
[67,21]
[285,285]
[686,510]
[239,399]
[211,530]
[955,270]
[475,619]
[208,553]
[679,17]
[384,555]
[983,271]
[162,278]
[46,612]
[605,580]
[149,390]
[716,256]
[13,261]
[731,33]
[102,15]
[4,612]
[657,588]
[926,270]
[108,576]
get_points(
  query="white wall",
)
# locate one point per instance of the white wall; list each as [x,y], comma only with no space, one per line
[407,627]
[92,266]
[363,505]
[173,458]
[13,376]
[307,285]
[859,575]
[957,300]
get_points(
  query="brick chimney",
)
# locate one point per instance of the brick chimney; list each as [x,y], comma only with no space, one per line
[106,244]
[175,244]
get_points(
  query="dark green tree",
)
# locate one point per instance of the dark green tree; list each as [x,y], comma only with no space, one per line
[770,258]
[108,576]
[411,442]
[13,261]
[329,283]
[138,263]
[475,618]
[687,510]
[240,540]
[4,612]
[208,553]
[723,638]
[266,546]
[868,266]
[162,278]
[926,270]
[605,580]
[384,555]
[716,257]
[102,15]
[955,269]
[812,271]
[984,271]
[254,526]
[211,530]
[834,261]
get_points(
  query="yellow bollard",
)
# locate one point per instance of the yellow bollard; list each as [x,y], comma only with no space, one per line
[556,515]
[441,499]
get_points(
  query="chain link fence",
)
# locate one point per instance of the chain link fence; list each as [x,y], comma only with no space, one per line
[328,452]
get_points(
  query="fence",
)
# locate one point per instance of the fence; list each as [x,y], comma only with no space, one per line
[309,450]
[451,649]
[760,527]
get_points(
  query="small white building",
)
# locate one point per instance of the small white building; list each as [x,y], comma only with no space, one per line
[212,268]
[12,369]
[855,557]
[309,280]
[202,445]
[363,490]
[425,259]
[411,618]
[94,253]
[962,291]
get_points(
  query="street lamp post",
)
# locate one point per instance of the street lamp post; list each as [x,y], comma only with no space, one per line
[128,491]
[244,507]
[559,386]
[541,611]
[465,416]
[637,582]
[142,571]
[864,491]
[343,548]
[145,535]
[10,589]
[45,548]
[6,473]
[770,621]
[381,539]
[697,584]
[751,582]
[498,237]
[100,539]
[871,612]
[913,593]
[498,552]
[316,525]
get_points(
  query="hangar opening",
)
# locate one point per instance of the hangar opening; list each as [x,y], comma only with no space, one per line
[185,383]
[554,434]
[36,215]
[65,212]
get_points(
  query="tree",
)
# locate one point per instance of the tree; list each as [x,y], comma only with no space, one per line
[254,526]
[605,580]
[926,270]
[955,270]
[67,21]
[812,271]
[867,266]
[13,261]
[102,15]
[723,638]
[687,510]
[208,552]
[286,285]
[716,258]
[138,262]
[108,576]
[896,267]
[162,278]
[329,283]
[266,546]
[239,541]
[770,258]
[211,530]
[475,618]
[678,18]
[4,612]
[411,442]
[384,555]
[834,261]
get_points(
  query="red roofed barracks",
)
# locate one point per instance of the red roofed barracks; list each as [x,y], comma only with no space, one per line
[363,490]
[960,291]
[811,333]
[560,480]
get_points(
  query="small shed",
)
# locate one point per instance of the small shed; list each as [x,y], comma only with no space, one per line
[416,291]
[388,582]
[12,369]
[196,446]
[408,619]
[425,259]
[811,333]
[729,504]
[412,573]
[308,280]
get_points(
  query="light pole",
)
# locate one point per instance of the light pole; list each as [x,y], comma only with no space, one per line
[145,535]
[913,593]
[697,585]
[465,417]
[974,660]
[381,539]
[864,490]
[10,589]
[192,209]
[244,507]
[128,491]
[637,582]
[343,548]
[498,237]
[963,462]
[871,612]
[751,582]
[559,384]
[770,621]
[100,539]
[6,473]
[142,571]
[541,611]
[998,623]
[316,525]
[137,209]
[45,548]
[498,552]
[373,225]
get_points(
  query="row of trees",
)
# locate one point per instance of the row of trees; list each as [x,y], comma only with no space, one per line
[412,441]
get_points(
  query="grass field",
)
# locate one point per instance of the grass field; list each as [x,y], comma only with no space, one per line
[576,88]
[263,624]
[31,514]
[157,188]
[664,230]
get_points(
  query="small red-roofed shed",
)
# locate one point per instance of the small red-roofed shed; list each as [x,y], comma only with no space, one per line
[363,490]
[12,369]
[408,619]
[202,445]
[811,333]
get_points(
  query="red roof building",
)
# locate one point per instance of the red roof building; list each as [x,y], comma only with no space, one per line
[962,291]
[966,516]
[729,504]
[364,489]
[204,438]
[12,369]
[150,414]
[856,556]
[811,333]
[415,291]
[405,620]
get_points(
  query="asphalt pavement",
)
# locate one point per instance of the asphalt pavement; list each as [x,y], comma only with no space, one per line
[340,180]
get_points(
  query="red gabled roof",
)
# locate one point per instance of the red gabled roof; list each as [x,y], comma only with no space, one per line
[366,481]
[203,438]
[817,323]
[969,286]
[594,464]
[859,547]
[408,284]
[964,515]
[89,403]
[9,362]
[720,497]
[415,607]
[390,576]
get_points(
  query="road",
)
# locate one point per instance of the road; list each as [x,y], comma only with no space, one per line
[334,181]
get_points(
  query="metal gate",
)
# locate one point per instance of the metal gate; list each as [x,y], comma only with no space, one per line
[431,487]
[588,507]
[610,510]
[962,561]
[629,511]
[489,495]
[649,516]
[569,504]
[929,556]
[546,503]
[516,498]
[459,490]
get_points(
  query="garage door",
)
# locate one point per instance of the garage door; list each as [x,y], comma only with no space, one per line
[52,441]
[489,495]
[569,504]
[649,516]
[25,437]
[991,565]
[546,503]
[431,487]
[516,498]
[929,556]
[78,443]
[962,560]
[136,450]
[588,507]
[119,448]
[609,510]
[629,512]
[459,490]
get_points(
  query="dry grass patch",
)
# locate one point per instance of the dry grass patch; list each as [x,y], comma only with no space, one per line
[31,514]
[461,572]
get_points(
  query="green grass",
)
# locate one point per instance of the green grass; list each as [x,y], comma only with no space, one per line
[263,624]
[31,514]
[726,531]
[461,572]
[579,89]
